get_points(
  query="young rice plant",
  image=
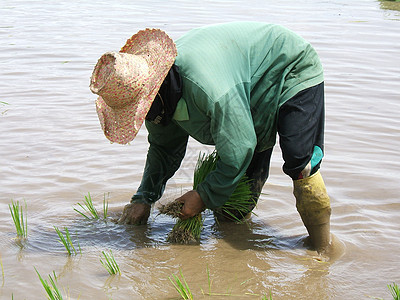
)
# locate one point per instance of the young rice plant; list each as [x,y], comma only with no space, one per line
[395,291]
[181,286]
[109,263]
[53,292]
[67,241]
[89,211]
[19,218]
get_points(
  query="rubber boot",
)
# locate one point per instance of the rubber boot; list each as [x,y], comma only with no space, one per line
[313,205]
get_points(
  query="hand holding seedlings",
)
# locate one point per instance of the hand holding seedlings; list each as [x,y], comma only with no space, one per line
[192,204]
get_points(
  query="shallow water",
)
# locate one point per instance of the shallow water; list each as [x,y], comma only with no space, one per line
[53,153]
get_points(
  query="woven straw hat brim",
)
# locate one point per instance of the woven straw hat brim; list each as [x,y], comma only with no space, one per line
[121,125]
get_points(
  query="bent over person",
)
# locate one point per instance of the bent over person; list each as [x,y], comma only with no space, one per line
[236,86]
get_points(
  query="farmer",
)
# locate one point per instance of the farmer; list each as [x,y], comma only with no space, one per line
[235,86]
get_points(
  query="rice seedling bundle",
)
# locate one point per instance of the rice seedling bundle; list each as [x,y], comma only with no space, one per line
[186,231]
[189,230]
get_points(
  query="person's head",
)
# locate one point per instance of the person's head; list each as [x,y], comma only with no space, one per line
[128,81]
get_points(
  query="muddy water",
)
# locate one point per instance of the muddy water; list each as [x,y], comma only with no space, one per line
[53,153]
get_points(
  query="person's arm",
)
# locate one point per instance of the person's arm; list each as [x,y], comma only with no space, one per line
[166,151]
[233,132]
[235,139]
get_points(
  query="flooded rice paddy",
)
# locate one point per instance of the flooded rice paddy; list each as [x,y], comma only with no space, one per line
[53,153]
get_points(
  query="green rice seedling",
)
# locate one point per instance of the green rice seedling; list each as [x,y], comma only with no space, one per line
[67,241]
[4,103]
[53,292]
[264,297]
[89,208]
[209,280]
[395,291]
[20,220]
[181,286]
[105,207]
[89,211]
[109,263]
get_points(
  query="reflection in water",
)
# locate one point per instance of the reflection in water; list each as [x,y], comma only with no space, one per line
[254,235]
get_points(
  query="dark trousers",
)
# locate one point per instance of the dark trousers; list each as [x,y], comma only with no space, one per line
[300,127]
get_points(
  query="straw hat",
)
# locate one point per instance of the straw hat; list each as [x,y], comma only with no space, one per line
[128,81]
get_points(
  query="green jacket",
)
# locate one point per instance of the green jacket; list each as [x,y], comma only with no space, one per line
[235,78]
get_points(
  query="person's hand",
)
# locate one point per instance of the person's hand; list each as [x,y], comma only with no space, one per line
[192,204]
[135,214]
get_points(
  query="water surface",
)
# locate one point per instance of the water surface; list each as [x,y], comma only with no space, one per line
[53,153]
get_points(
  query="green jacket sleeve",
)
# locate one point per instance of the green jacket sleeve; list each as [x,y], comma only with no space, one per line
[235,139]
[166,151]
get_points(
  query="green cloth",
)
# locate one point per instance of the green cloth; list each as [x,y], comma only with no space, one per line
[235,78]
